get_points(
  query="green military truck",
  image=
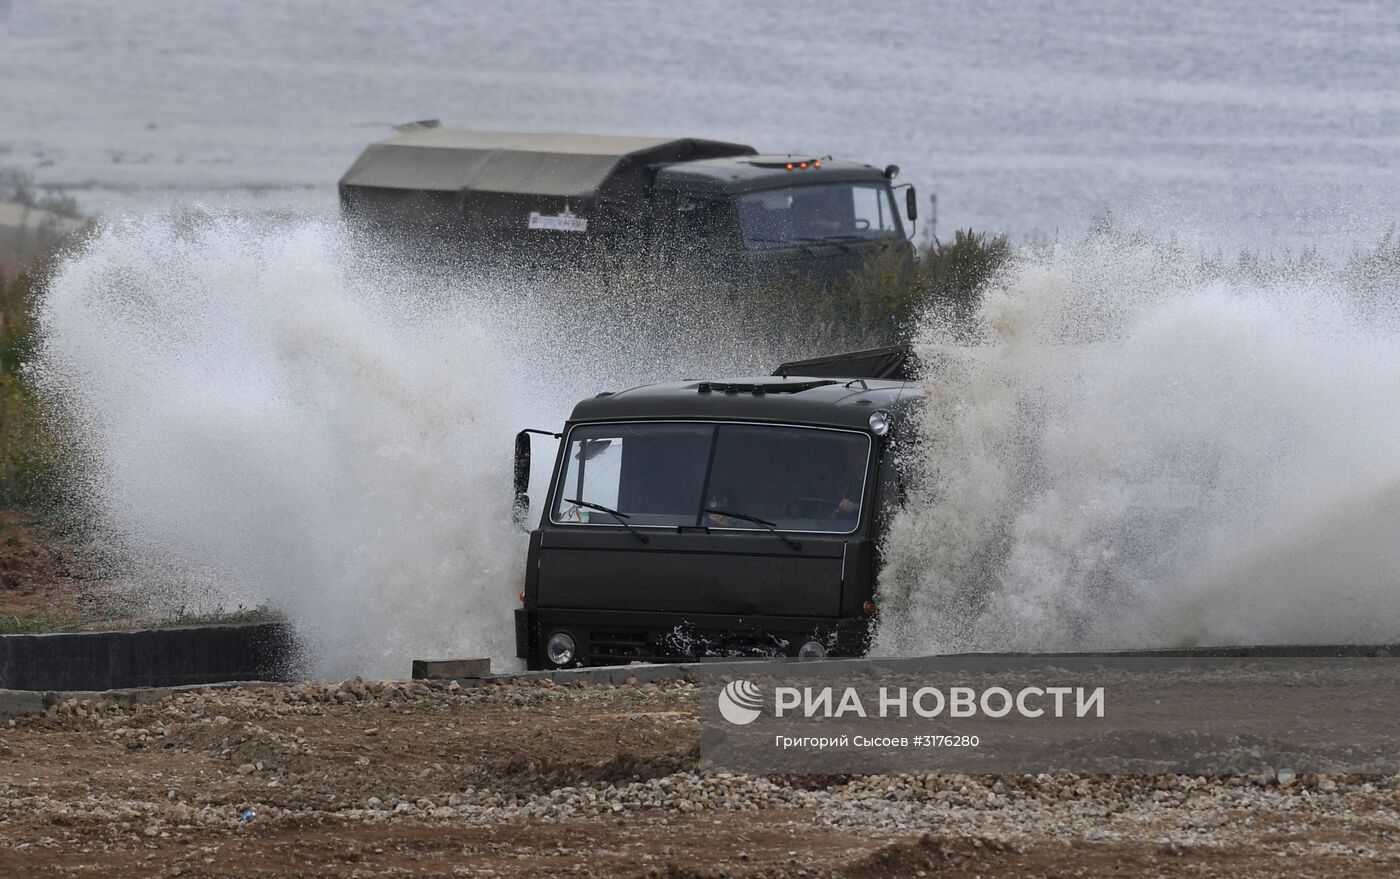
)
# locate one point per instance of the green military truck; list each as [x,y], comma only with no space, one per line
[667,206]
[735,517]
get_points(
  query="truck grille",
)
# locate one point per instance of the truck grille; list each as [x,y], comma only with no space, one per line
[615,647]
[618,646]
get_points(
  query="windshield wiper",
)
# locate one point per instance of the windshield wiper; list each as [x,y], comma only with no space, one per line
[620,517]
[757,521]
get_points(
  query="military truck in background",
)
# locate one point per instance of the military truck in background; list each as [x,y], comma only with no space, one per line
[664,206]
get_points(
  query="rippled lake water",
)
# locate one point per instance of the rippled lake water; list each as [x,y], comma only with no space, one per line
[1266,124]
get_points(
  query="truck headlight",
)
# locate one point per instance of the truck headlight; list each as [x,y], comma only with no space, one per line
[560,648]
[812,650]
[880,422]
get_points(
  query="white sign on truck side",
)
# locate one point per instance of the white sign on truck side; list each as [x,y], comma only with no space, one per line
[564,221]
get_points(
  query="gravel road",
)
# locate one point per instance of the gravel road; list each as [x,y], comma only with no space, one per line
[398,779]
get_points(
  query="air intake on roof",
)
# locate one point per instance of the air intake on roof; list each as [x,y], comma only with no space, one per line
[761,388]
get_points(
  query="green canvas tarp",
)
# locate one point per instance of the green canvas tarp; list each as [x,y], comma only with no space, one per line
[893,362]
[514,163]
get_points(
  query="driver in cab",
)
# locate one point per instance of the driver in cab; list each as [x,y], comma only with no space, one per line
[834,494]
[847,482]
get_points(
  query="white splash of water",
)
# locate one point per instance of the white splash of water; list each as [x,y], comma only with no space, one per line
[268,416]
[329,445]
[1136,453]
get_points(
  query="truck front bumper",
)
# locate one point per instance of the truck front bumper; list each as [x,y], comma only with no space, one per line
[620,637]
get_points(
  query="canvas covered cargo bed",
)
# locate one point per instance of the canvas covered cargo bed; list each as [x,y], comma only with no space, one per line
[485,182]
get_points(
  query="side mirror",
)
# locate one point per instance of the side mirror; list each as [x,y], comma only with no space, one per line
[522,462]
[911,204]
[520,509]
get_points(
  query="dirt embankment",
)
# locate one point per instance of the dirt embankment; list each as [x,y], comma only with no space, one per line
[523,780]
[46,577]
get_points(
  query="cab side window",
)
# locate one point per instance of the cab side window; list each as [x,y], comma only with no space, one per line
[700,225]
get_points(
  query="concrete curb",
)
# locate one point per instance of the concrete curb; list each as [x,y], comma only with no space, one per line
[19,703]
[696,672]
[650,673]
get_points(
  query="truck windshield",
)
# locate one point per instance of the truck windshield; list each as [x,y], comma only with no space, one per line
[802,479]
[793,214]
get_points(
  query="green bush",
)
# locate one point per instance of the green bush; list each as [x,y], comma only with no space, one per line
[881,303]
[30,453]
[19,187]
[952,277]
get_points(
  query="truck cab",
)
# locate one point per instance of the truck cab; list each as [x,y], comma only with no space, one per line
[781,215]
[718,518]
